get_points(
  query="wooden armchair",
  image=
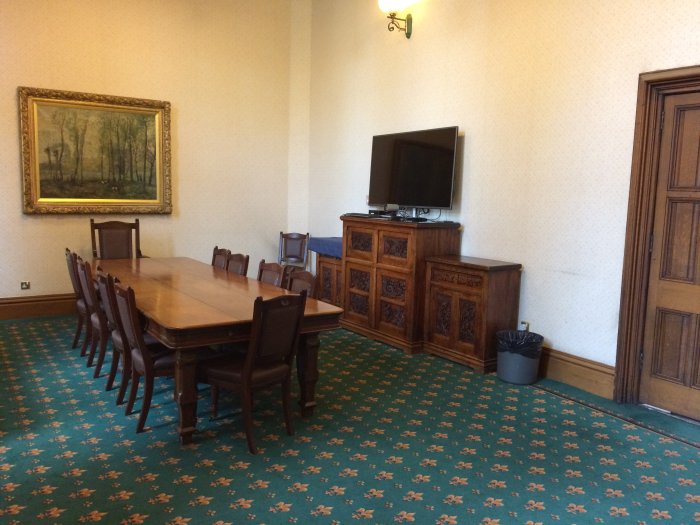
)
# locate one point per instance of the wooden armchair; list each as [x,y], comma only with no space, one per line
[267,362]
[293,249]
[115,239]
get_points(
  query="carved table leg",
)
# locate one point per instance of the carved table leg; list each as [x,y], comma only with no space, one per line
[186,393]
[307,372]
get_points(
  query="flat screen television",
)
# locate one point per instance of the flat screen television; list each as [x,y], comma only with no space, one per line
[413,169]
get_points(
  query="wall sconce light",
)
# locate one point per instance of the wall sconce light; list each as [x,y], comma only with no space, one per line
[392,7]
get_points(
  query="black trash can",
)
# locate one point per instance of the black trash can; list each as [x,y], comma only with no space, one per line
[518,356]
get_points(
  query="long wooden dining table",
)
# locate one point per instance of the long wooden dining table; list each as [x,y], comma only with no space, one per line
[188,305]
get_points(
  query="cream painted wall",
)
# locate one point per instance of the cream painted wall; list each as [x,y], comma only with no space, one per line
[222,64]
[544,94]
[299,117]
[266,120]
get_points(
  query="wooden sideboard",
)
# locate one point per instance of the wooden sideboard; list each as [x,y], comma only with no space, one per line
[383,271]
[467,300]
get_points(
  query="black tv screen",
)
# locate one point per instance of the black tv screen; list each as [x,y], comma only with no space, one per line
[413,169]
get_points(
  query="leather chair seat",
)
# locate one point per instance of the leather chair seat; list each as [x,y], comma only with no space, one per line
[230,370]
[163,358]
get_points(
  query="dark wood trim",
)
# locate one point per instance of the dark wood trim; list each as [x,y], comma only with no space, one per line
[580,372]
[36,306]
[653,88]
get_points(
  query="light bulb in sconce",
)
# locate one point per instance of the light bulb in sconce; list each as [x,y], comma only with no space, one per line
[392,7]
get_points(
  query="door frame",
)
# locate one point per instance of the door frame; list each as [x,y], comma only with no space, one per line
[653,88]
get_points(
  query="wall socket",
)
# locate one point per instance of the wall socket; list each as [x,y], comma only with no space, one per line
[25,285]
[524,326]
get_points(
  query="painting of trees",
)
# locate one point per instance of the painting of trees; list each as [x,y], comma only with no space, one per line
[89,153]
[96,153]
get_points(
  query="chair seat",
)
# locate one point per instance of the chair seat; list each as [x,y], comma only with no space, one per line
[81,306]
[163,358]
[150,340]
[229,369]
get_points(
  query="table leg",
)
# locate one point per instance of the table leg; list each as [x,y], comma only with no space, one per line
[186,393]
[307,372]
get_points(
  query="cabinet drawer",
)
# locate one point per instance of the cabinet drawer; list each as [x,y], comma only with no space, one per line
[456,278]
[395,249]
[360,243]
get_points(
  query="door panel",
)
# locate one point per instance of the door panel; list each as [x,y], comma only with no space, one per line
[671,340]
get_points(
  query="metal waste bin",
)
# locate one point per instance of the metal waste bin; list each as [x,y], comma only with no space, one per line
[518,356]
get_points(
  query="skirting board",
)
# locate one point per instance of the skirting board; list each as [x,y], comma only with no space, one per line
[582,373]
[36,306]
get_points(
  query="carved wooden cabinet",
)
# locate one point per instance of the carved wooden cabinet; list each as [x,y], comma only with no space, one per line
[468,300]
[384,276]
[329,280]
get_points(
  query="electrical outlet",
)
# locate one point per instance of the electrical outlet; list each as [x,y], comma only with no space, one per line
[24,285]
[524,325]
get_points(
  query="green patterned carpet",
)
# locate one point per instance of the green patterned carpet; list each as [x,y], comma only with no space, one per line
[395,439]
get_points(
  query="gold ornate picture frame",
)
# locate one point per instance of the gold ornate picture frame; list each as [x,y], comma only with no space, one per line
[87,153]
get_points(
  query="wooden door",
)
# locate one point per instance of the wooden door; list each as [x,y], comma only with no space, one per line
[670,376]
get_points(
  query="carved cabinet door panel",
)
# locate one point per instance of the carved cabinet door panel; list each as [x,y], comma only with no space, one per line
[393,314]
[329,285]
[455,321]
[359,293]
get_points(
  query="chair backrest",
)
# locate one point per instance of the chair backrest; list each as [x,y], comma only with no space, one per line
[131,322]
[87,285]
[220,257]
[271,273]
[299,280]
[105,285]
[115,239]
[237,263]
[275,331]
[72,262]
[293,249]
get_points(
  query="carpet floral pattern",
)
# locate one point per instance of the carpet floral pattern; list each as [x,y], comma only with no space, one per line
[395,439]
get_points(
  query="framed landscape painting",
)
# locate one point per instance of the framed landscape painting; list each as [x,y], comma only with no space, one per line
[87,153]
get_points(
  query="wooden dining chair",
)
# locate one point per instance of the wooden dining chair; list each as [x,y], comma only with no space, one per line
[268,361]
[105,286]
[80,305]
[115,239]
[220,257]
[237,263]
[293,249]
[98,320]
[272,273]
[299,280]
[147,361]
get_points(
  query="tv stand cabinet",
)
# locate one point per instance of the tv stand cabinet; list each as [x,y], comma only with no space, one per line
[384,276]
